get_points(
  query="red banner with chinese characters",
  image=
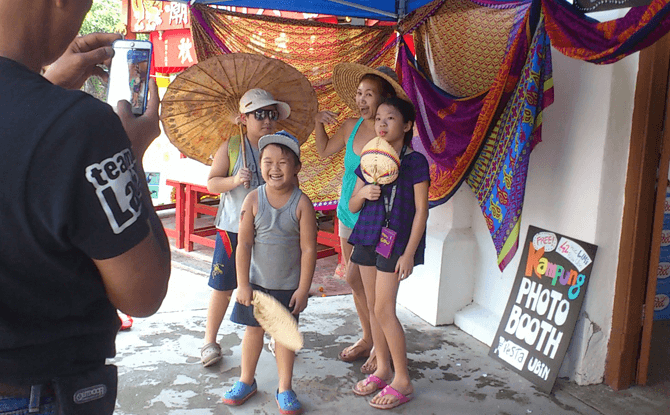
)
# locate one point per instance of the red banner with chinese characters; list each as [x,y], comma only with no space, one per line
[148,16]
[173,50]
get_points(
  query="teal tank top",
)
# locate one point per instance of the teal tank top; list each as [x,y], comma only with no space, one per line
[351,161]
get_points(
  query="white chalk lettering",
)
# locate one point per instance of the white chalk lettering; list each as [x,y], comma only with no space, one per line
[538,368]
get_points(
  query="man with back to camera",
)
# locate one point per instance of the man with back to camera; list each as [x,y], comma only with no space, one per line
[79,236]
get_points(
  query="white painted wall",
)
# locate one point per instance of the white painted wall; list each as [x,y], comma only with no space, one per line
[575,187]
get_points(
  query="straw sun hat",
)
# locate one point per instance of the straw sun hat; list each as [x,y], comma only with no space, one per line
[379,162]
[347,76]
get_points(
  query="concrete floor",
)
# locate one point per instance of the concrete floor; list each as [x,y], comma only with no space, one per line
[160,370]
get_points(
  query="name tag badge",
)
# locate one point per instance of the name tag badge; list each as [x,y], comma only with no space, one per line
[386,241]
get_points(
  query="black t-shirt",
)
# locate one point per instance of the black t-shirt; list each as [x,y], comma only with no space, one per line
[69,192]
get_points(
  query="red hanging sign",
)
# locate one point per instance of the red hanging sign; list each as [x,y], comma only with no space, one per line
[173,50]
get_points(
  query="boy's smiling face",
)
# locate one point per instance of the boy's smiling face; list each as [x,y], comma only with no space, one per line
[278,166]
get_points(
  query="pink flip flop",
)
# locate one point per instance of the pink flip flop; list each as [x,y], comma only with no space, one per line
[388,390]
[379,383]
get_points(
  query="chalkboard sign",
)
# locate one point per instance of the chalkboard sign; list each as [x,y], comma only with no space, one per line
[601,5]
[543,308]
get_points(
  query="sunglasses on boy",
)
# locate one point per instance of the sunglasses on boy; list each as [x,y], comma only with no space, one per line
[262,114]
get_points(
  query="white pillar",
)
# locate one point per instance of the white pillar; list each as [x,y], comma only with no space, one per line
[445,283]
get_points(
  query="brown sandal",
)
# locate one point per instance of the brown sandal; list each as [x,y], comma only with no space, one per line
[370,365]
[355,352]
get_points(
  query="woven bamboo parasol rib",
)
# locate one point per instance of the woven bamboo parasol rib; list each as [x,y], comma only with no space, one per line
[201,106]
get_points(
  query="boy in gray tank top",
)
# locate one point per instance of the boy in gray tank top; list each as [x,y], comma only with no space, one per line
[259,112]
[276,254]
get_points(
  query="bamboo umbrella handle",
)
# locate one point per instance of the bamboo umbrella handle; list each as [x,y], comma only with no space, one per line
[244,152]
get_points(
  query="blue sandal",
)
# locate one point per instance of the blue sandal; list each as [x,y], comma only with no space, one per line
[239,393]
[288,403]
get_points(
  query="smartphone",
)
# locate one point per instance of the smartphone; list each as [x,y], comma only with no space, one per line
[129,74]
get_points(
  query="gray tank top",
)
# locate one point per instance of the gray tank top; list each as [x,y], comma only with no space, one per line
[275,257]
[230,204]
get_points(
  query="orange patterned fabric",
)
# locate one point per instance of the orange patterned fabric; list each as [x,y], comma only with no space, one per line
[313,48]
[463,45]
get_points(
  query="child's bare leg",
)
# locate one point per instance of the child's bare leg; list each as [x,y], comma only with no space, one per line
[218,304]
[369,276]
[354,280]
[252,345]
[386,291]
[285,360]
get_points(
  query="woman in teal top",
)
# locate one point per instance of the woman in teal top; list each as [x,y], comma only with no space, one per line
[363,89]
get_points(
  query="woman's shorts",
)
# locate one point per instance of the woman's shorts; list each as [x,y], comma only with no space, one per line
[343,230]
[223,276]
[367,256]
[242,314]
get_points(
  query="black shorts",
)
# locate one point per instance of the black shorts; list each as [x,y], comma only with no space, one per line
[367,256]
[242,314]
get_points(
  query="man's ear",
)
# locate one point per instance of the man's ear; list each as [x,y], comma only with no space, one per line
[408,126]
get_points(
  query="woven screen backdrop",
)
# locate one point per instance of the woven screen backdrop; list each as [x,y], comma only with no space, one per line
[314,49]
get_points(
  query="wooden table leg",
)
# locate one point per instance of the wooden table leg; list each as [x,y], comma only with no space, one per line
[178,231]
[189,220]
[179,215]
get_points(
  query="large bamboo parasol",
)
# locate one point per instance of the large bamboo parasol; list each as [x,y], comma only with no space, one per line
[201,106]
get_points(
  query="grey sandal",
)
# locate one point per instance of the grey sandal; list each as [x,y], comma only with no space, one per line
[210,354]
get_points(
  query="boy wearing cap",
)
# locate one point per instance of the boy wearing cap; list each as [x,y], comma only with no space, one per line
[259,112]
[277,255]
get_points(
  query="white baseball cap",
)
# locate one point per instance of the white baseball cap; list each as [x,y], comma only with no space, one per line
[258,98]
[280,137]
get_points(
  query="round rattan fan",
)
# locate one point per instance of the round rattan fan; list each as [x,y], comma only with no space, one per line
[379,162]
[276,320]
[200,107]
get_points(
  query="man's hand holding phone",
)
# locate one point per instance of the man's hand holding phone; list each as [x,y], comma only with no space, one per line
[143,129]
[81,60]
[129,73]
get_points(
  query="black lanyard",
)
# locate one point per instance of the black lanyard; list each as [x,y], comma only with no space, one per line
[388,204]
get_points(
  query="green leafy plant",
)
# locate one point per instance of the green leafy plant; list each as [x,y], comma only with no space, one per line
[105,17]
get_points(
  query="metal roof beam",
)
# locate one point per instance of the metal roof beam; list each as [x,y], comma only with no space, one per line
[365,8]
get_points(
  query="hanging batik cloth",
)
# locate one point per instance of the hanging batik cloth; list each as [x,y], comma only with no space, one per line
[473,126]
[313,48]
[453,124]
[498,177]
[581,37]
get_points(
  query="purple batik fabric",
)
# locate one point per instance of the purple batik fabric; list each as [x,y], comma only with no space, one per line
[445,123]
[581,37]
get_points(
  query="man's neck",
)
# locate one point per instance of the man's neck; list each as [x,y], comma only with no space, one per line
[20,35]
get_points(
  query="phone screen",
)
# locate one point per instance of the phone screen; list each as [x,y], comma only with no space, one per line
[129,74]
